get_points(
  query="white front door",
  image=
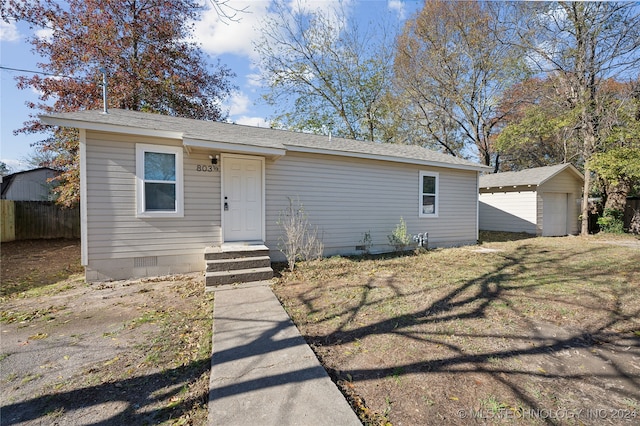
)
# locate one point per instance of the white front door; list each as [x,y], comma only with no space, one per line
[242,195]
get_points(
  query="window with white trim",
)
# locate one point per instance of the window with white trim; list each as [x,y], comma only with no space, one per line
[428,194]
[159,189]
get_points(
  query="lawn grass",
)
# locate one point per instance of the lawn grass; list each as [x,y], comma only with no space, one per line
[420,337]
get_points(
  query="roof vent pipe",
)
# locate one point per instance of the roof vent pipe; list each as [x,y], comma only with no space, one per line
[104,90]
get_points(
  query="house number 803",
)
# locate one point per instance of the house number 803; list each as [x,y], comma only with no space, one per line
[206,168]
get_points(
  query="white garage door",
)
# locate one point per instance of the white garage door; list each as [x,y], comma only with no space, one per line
[554,214]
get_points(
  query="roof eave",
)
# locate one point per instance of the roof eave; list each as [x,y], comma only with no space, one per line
[106,127]
[569,166]
[273,153]
[530,186]
[391,158]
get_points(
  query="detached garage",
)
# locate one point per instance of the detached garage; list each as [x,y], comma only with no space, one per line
[543,201]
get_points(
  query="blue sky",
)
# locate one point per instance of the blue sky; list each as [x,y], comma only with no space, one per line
[231,42]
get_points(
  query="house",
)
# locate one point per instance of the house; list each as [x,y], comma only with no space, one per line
[29,185]
[157,192]
[543,201]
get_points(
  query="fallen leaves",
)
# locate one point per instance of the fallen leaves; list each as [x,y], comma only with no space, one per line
[39,336]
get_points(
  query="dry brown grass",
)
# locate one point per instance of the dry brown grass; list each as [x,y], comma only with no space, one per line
[126,352]
[502,333]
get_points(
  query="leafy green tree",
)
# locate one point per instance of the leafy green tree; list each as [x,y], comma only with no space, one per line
[452,66]
[324,74]
[142,45]
[620,169]
[540,129]
[582,44]
[618,164]
[4,169]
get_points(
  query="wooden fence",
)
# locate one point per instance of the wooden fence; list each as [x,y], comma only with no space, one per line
[30,220]
[7,220]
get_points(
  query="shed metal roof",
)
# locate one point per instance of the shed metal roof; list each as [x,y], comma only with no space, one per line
[203,134]
[535,176]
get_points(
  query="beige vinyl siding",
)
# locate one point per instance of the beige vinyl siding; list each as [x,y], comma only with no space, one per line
[566,183]
[562,182]
[511,211]
[347,197]
[114,231]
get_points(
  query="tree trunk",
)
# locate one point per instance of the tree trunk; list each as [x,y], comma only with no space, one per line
[589,142]
[617,195]
[634,227]
[584,230]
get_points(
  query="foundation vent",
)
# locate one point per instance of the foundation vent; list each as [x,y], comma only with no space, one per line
[144,262]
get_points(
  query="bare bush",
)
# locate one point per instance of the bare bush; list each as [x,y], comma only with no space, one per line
[300,241]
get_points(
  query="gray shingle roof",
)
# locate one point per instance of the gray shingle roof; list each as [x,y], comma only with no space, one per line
[534,176]
[257,136]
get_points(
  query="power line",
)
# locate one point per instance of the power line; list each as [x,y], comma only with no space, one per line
[42,73]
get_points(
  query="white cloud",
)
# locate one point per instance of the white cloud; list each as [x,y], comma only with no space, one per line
[398,7]
[44,33]
[218,37]
[15,165]
[254,80]
[239,103]
[325,6]
[9,31]
[335,12]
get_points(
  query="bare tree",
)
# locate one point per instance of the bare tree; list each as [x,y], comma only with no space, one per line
[540,128]
[227,12]
[324,73]
[452,67]
[582,44]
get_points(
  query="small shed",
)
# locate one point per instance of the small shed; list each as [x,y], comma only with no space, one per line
[543,201]
[29,185]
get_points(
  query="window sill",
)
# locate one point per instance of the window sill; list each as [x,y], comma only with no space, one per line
[159,215]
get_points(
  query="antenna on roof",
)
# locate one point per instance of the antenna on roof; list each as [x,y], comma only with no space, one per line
[104,90]
[328,127]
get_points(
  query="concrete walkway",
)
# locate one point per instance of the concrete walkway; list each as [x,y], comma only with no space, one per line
[262,370]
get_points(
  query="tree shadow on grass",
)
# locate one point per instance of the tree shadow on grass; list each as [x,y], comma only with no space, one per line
[477,299]
[136,399]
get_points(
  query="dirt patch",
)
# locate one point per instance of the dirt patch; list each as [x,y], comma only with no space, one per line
[536,331]
[135,352]
[31,264]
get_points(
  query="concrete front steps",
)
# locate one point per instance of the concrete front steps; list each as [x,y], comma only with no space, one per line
[237,263]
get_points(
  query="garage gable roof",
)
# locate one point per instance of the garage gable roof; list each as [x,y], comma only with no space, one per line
[535,176]
[218,135]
